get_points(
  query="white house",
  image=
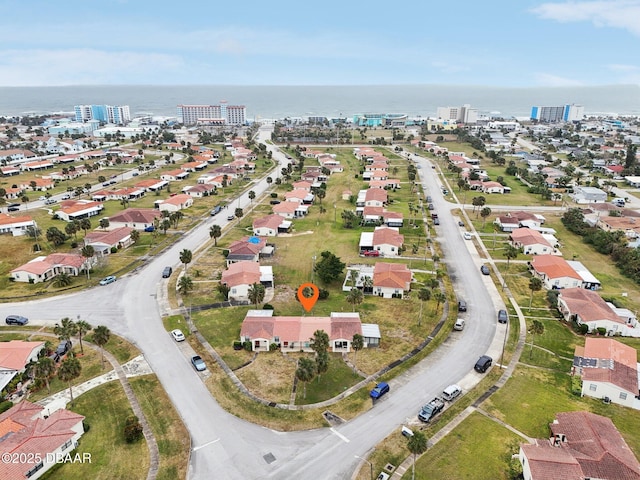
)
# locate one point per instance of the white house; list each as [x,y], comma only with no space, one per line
[532,242]
[388,241]
[555,272]
[16,226]
[240,276]
[609,370]
[588,195]
[176,203]
[391,280]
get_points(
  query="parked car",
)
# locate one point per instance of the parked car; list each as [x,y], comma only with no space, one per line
[230,217]
[216,210]
[198,363]
[150,228]
[42,199]
[66,196]
[485,270]
[503,317]
[460,223]
[462,306]
[467,235]
[429,199]
[135,174]
[166,273]
[13,209]
[63,347]
[50,201]
[431,409]
[436,221]
[379,390]
[370,253]
[274,202]
[483,363]
[451,392]
[16,320]
[459,325]
[177,335]
[431,207]
[108,280]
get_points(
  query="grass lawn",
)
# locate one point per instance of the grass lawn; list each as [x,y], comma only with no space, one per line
[170,433]
[334,381]
[106,409]
[464,453]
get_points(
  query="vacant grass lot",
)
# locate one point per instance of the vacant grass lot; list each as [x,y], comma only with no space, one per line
[105,409]
[466,454]
[170,433]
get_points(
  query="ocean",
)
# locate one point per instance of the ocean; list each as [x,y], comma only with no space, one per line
[329,101]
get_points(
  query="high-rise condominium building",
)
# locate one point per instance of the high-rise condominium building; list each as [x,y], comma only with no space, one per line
[104,113]
[212,114]
[564,113]
[463,114]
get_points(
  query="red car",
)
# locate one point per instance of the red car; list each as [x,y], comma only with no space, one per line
[371,253]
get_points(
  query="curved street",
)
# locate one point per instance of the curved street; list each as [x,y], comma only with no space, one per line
[225,447]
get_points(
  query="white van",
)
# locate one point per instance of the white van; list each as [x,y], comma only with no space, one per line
[451,392]
[618,202]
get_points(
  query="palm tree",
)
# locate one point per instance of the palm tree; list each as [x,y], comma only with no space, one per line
[71,229]
[439,297]
[321,193]
[322,363]
[537,328]
[104,223]
[511,252]
[69,370]
[357,343]
[135,236]
[417,445]
[484,213]
[252,195]
[367,284]
[353,277]
[355,297]
[256,293]
[87,252]
[305,372]
[85,224]
[535,284]
[424,295]
[63,279]
[65,329]
[82,327]
[101,335]
[44,369]
[185,285]
[185,258]
[215,232]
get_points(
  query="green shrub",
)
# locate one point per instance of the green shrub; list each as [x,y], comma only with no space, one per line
[132,429]
[6,405]
[267,306]
[247,345]
[601,331]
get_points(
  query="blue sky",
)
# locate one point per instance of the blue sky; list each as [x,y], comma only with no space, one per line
[515,43]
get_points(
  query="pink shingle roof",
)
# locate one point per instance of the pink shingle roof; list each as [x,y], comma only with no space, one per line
[391,275]
[15,354]
[241,273]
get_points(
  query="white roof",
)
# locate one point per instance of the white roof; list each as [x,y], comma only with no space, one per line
[581,270]
[266,273]
[371,330]
[260,313]
[366,239]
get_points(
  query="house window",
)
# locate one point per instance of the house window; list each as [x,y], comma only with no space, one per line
[623,396]
[593,387]
[33,470]
[66,445]
[341,344]
[276,339]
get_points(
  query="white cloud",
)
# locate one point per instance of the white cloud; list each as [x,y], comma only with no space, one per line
[623,14]
[618,67]
[446,67]
[550,80]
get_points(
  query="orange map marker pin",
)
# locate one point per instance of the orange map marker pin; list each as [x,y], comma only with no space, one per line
[308,302]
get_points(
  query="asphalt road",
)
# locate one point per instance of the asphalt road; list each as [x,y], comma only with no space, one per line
[225,447]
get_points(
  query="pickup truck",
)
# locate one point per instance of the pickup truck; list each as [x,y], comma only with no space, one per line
[431,409]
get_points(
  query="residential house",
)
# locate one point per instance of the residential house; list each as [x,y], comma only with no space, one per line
[118,194]
[138,218]
[71,210]
[195,166]
[588,195]
[248,249]
[175,203]
[532,242]
[629,225]
[581,445]
[586,307]
[33,431]
[290,210]
[388,241]
[175,175]
[302,185]
[37,165]
[270,225]
[262,329]
[299,196]
[609,371]
[152,185]
[240,276]
[513,220]
[16,226]
[554,272]
[391,280]
[589,281]
[9,170]
[38,184]
[44,268]
[493,187]
[103,241]
[14,356]
[200,190]
[375,197]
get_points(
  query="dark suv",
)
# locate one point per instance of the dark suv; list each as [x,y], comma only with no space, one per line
[63,347]
[462,306]
[502,316]
[16,320]
[483,363]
